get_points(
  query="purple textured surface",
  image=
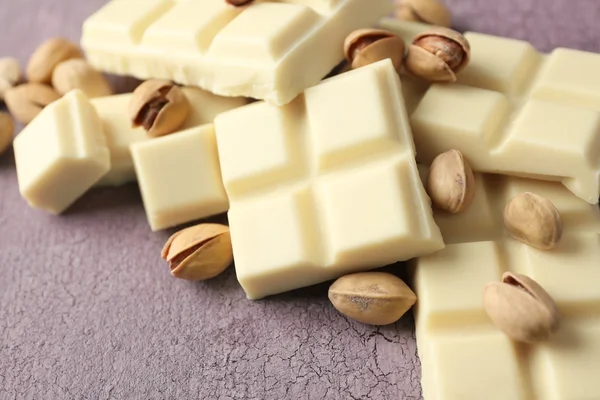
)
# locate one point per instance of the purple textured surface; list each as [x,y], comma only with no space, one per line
[89,310]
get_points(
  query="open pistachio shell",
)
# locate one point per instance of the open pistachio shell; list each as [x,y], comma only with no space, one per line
[422,64]
[362,38]
[391,47]
[521,308]
[458,38]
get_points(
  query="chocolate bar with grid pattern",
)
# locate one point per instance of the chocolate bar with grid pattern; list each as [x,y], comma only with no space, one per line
[120,134]
[269,50]
[325,185]
[463,356]
[514,111]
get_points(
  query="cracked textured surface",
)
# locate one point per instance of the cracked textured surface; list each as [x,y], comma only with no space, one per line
[88,309]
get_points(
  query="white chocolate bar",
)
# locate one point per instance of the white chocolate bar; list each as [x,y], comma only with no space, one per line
[516,111]
[61,153]
[268,50]
[179,177]
[120,134]
[463,356]
[325,185]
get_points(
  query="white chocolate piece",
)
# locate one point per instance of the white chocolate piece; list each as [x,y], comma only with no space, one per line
[205,106]
[267,50]
[325,185]
[120,134]
[515,111]
[463,355]
[179,177]
[61,153]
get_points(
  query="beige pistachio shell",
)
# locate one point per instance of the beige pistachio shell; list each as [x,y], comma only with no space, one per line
[422,64]
[5,86]
[521,308]
[191,236]
[451,183]
[428,11]
[7,129]
[404,12]
[375,298]
[533,220]
[26,101]
[77,73]
[159,106]
[391,47]
[452,35]
[10,70]
[360,38]
[47,56]
[10,74]
[199,252]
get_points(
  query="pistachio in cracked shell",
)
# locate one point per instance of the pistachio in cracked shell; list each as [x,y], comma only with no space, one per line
[367,46]
[521,308]
[159,106]
[375,298]
[437,55]
[199,252]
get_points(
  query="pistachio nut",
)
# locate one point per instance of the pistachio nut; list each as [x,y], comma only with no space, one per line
[437,55]
[10,74]
[7,128]
[450,183]
[521,308]
[77,73]
[366,46]
[26,101]
[375,298]
[159,106]
[47,56]
[432,12]
[533,220]
[199,252]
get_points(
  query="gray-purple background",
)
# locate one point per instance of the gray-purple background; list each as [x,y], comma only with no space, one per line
[88,310]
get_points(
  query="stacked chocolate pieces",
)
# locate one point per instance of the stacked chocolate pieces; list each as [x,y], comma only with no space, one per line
[518,113]
[320,178]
